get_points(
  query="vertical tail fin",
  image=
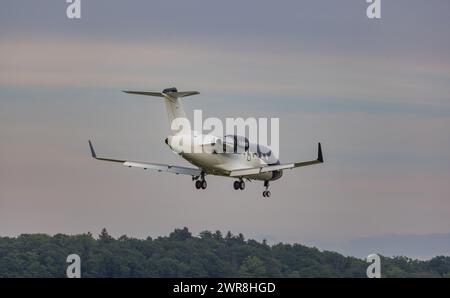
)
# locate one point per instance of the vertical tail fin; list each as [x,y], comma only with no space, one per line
[174,107]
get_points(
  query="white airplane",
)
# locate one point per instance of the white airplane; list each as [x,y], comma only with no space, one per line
[239,159]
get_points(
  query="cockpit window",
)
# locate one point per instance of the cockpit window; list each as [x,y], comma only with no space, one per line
[264,151]
[239,144]
[228,144]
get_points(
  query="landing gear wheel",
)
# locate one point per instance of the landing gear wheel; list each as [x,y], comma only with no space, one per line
[236,185]
[198,184]
[241,185]
[204,184]
[266,193]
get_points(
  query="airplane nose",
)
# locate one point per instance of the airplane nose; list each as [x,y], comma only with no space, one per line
[166,141]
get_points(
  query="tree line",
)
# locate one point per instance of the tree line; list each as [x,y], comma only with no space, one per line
[210,254]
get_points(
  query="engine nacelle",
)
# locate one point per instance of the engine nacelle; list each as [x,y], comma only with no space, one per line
[276,175]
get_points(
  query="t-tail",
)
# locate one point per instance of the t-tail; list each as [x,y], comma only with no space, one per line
[171,96]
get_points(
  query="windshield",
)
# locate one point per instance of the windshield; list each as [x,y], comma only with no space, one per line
[239,144]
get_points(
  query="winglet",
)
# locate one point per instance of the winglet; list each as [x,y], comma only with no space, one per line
[319,154]
[92,150]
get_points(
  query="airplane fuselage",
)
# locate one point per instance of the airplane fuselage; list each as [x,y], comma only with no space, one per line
[222,163]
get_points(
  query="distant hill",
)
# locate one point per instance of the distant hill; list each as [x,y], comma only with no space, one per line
[422,247]
[183,255]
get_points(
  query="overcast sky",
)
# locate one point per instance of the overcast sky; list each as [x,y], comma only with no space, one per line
[376,93]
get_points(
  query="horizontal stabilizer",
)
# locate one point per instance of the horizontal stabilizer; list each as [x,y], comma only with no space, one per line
[172,100]
[158,94]
[172,94]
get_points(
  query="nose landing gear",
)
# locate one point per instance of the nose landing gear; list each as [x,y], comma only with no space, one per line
[266,193]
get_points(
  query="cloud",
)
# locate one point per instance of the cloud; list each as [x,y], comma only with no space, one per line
[249,70]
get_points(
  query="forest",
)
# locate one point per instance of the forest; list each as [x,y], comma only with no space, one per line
[181,254]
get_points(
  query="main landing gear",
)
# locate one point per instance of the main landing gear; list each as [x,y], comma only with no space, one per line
[200,184]
[240,184]
[266,193]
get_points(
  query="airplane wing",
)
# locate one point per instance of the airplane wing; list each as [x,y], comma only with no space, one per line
[257,170]
[151,166]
